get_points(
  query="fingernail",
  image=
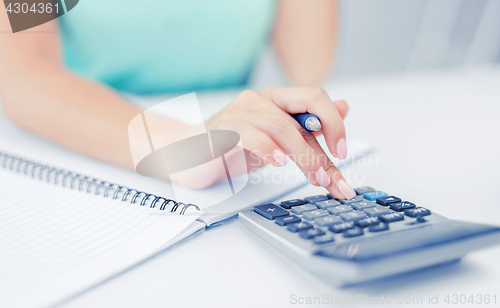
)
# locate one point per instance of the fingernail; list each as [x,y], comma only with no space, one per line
[345,190]
[322,177]
[342,149]
[280,158]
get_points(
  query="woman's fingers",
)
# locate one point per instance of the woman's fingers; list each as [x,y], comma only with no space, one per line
[338,187]
[256,141]
[286,135]
[314,100]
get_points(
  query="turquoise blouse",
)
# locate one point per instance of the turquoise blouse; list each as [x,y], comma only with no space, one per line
[160,46]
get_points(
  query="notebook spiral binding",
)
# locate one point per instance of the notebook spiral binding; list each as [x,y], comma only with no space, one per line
[89,184]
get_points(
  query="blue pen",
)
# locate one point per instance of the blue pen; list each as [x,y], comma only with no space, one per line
[308,121]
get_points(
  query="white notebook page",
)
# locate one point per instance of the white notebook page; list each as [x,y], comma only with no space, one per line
[56,241]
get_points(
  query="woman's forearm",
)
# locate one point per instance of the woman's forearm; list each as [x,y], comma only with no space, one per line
[84,116]
[305,35]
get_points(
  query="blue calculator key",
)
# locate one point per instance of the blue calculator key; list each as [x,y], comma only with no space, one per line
[285,220]
[338,228]
[374,195]
[418,211]
[309,234]
[392,217]
[328,220]
[363,205]
[377,210]
[379,227]
[353,215]
[303,208]
[353,200]
[335,210]
[317,198]
[330,196]
[314,214]
[270,211]
[299,226]
[386,201]
[363,190]
[294,202]
[327,203]
[323,239]
[401,206]
[367,222]
[356,231]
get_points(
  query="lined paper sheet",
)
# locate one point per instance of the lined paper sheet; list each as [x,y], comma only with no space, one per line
[56,241]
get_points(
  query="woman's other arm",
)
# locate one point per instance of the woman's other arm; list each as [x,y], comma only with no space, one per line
[43,97]
[305,37]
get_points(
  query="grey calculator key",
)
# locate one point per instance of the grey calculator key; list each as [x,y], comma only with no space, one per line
[328,220]
[314,214]
[356,231]
[303,208]
[339,209]
[362,190]
[368,222]
[379,227]
[353,200]
[317,198]
[338,228]
[377,210]
[327,203]
[299,226]
[323,239]
[353,216]
[392,217]
[309,234]
[363,205]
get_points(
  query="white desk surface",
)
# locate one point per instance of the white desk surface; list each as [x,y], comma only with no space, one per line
[437,136]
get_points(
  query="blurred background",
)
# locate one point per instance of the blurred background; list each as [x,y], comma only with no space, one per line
[393,36]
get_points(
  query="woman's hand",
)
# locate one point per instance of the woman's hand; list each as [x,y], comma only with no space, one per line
[267,130]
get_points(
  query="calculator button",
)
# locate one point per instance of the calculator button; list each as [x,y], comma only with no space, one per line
[285,220]
[303,208]
[353,232]
[401,206]
[374,195]
[367,222]
[339,209]
[314,199]
[353,200]
[294,202]
[362,190]
[386,201]
[327,203]
[270,211]
[314,214]
[323,239]
[330,196]
[328,220]
[418,211]
[299,226]
[353,216]
[363,205]
[341,227]
[377,210]
[392,217]
[378,227]
[309,234]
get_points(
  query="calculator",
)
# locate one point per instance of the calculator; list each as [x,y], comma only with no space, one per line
[370,236]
